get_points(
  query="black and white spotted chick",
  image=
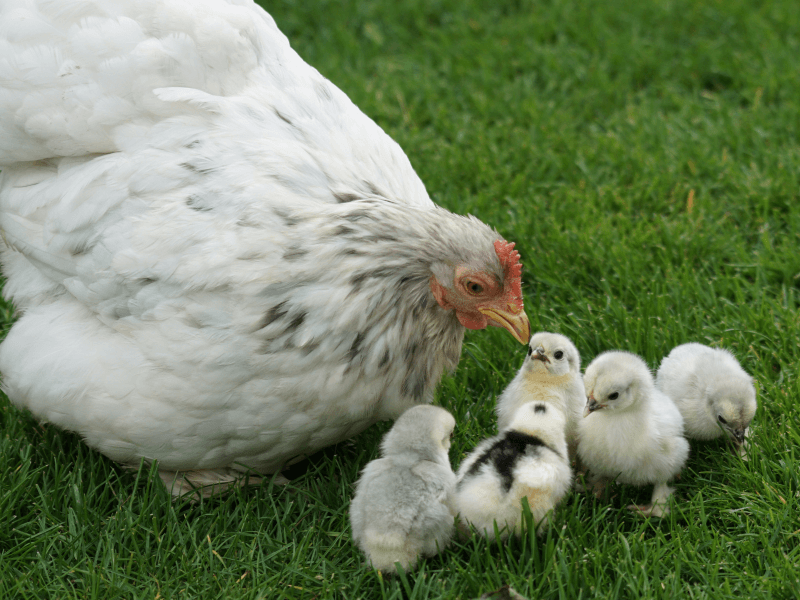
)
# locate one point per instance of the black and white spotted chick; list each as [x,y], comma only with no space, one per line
[526,460]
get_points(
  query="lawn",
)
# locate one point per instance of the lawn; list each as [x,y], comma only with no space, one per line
[645,157]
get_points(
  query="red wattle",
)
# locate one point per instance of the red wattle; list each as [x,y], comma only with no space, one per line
[473,320]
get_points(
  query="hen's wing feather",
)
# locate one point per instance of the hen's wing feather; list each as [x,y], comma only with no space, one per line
[167,105]
[94,77]
[81,74]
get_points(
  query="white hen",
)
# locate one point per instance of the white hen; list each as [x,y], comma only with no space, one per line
[714,394]
[631,432]
[220,262]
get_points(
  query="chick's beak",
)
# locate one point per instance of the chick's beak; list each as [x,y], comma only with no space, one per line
[738,435]
[591,406]
[539,354]
[513,318]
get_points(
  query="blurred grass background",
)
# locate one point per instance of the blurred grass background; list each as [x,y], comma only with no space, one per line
[645,158]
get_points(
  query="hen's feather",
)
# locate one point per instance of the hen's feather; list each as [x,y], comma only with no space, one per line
[150,77]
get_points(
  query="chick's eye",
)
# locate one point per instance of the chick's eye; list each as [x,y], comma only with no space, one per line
[613,396]
[721,420]
[473,287]
[530,350]
[559,355]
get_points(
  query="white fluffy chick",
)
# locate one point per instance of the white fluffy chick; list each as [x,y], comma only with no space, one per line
[714,394]
[401,508]
[550,373]
[631,432]
[527,460]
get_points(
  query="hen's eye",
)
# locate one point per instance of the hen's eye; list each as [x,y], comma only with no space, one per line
[530,350]
[613,396]
[721,420]
[473,288]
[559,355]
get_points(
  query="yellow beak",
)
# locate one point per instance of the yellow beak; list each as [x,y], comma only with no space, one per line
[514,319]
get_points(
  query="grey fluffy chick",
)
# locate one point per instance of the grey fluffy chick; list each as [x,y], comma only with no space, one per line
[714,394]
[527,460]
[550,373]
[631,432]
[401,508]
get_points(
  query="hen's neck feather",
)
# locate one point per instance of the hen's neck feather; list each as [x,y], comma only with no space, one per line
[356,292]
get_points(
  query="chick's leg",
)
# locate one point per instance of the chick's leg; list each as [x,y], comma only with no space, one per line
[591,482]
[659,502]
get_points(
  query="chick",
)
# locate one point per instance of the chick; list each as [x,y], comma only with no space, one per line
[714,394]
[631,432]
[528,459]
[550,373]
[402,505]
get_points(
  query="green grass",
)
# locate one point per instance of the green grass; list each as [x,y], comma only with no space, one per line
[645,157]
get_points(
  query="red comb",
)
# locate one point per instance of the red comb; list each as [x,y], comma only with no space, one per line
[509,260]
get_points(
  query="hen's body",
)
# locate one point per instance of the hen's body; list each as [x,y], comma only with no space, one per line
[219,260]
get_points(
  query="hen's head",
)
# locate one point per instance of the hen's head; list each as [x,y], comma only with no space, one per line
[485,292]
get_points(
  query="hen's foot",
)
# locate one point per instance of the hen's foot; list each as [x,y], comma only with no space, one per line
[205,483]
